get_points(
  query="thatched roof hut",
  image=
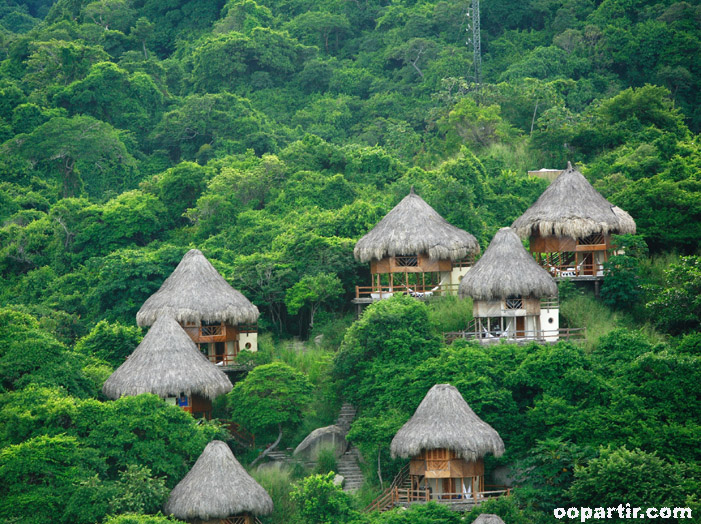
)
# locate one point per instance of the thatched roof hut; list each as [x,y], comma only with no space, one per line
[443,420]
[571,207]
[196,292]
[217,487]
[414,227]
[488,518]
[506,269]
[166,363]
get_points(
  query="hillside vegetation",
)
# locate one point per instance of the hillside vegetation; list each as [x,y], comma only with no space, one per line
[272,136]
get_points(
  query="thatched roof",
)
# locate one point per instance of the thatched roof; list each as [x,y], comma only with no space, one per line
[506,269]
[488,518]
[570,206]
[217,487]
[196,292]
[443,420]
[414,227]
[166,363]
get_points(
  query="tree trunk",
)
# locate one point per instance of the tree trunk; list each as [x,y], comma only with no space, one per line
[269,448]
[533,119]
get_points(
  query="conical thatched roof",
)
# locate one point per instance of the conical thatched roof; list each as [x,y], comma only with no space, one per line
[571,207]
[414,227]
[166,363]
[443,420]
[506,269]
[217,487]
[196,292]
[488,518]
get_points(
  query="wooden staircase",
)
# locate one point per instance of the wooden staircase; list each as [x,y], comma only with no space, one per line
[388,498]
[240,435]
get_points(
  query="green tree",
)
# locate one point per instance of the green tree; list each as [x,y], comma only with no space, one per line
[123,280]
[243,16]
[59,62]
[110,342]
[430,513]
[144,430]
[40,475]
[551,464]
[31,356]
[676,308]
[383,348]
[222,61]
[621,288]
[320,501]
[318,28]
[271,397]
[109,14]
[179,188]
[81,153]
[225,121]
[634,476]
[137,491]
[125,100]
[313,291]
[478,126]
[142,32]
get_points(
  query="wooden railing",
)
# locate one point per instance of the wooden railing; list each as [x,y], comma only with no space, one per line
[550,303]
[240,434]
[571,334]
[395,495]
[423,495]
[222,360]
[468,261]
[572,270]
[382,292]
[389,496]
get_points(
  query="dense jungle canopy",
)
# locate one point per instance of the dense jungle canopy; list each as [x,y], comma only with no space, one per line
[272,135]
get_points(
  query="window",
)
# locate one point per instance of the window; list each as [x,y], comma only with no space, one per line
[592,240]
[514,303]
[407,261]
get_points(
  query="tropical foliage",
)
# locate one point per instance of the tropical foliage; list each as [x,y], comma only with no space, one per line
[272,136]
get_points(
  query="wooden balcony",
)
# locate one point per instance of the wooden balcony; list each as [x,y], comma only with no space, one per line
[398,496]
[375,293]
[583,270]
[407,496]
[222,360]
[519,337]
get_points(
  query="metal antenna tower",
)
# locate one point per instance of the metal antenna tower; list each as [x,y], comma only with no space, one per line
[474,16]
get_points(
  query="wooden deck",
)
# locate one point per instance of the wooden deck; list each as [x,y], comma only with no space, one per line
[520,337]
[369,294]
[399,494]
